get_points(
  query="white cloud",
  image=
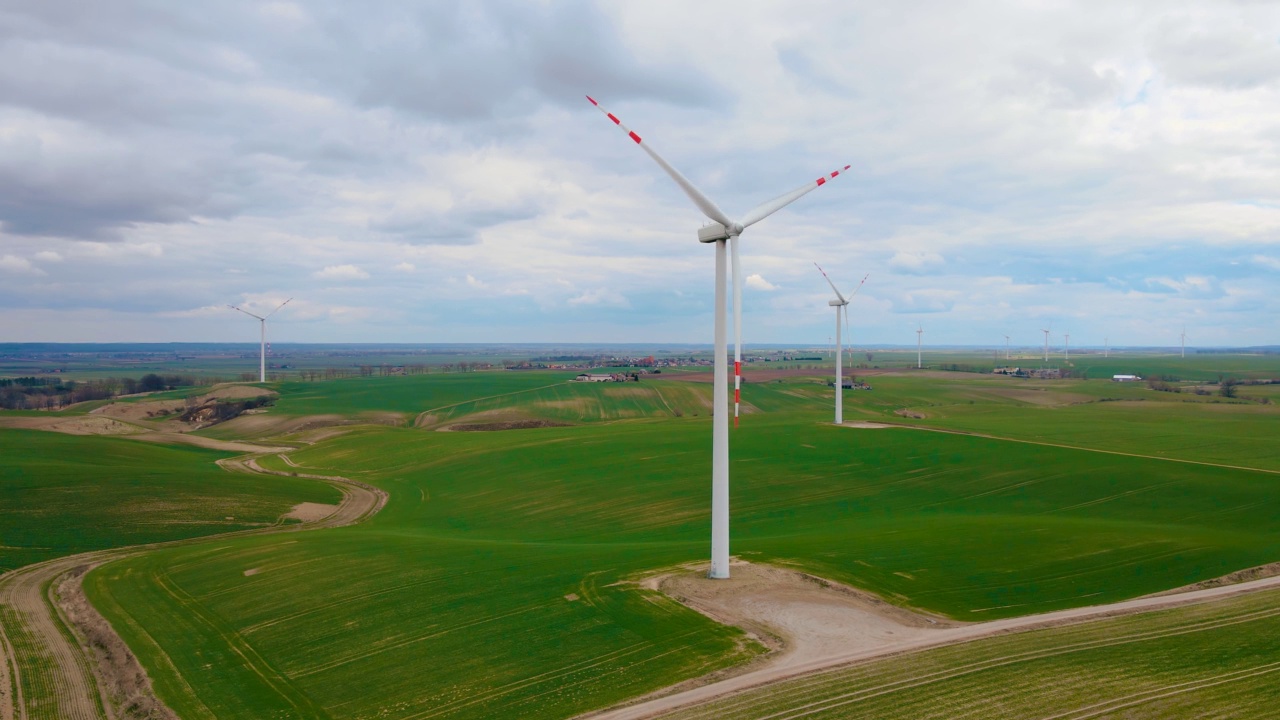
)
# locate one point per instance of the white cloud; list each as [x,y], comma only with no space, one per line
[404,267]
[600,298]
[48,256]
[1267,262]
[757,282]
[914,261]
[477,284]
[341,272]
[18,265]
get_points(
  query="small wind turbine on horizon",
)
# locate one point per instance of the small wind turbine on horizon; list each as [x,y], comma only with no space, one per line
[919,333]
[1106,347]
[262,321]
[841,304]
[1046,344]
[725,233]
[1006,347]
[1066,347]
[1184,341]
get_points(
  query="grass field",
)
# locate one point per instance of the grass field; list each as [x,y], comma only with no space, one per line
[490,584]
[63,494]
[1204,661]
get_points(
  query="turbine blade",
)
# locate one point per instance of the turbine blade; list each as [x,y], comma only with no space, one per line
[273,312]
[246,312]
[765,209]
[833,285]
[855,290]
[700,199]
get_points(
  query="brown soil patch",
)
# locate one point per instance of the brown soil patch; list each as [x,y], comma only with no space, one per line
[510,425]
[310,512]
[204,442]
[270,424]
[910,414]
[1239,576]
[802,616]
[866,425]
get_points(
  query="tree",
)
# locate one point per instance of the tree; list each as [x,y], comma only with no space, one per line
[1227,388]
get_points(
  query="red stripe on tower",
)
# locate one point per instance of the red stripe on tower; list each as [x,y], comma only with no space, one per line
[593,101]
[634,137]
[822,181]
[737,367]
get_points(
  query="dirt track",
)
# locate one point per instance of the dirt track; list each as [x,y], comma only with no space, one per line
[788,608]
[88,684]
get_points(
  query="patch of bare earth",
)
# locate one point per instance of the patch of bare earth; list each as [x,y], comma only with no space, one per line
[866,425]
[74,425]
[310,512]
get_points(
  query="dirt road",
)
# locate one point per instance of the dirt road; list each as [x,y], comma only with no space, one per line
[43,630]
[790,614]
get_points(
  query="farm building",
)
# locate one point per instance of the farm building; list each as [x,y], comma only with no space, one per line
[593,377]
[1125,378]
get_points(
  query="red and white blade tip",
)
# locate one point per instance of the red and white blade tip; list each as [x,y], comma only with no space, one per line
[822,180]
[615,120]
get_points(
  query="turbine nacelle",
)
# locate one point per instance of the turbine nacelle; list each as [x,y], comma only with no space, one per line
[837,303]
[714,233]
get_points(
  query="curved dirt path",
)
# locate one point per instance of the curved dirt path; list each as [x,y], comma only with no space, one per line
[41,646]
[800,660]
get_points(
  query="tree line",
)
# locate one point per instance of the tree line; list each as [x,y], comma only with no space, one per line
[43,393]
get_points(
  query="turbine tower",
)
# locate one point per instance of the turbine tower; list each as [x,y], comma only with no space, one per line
[1006,347]
[1106,347]
[724,233]
[841,304]
[1066,348]
[919,332]
[1184,341]
[1046,345]
[262,350]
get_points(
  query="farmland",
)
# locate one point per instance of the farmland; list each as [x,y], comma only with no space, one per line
[497,581]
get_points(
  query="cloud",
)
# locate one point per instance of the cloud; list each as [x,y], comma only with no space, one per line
[914,261]
[1266,261]
[48,256]
[404,267]
[15,264]
[600,298]
[341,272]
[757,282]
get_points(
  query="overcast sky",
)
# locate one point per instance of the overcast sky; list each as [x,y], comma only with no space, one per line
[432,172]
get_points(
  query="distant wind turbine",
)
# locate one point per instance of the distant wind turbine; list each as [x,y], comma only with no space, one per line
[1106,347]
[262,321]
[725,233]
[1066,348]
[1184,341]
[919,332]
[1006,347]
[1046,344]
[841,304]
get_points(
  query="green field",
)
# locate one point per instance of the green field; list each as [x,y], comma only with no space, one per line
[64,494]
[493,584]
[1215,660]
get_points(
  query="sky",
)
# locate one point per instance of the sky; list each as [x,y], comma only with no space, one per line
[432,172]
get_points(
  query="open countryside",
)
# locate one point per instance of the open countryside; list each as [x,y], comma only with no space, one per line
[533,554]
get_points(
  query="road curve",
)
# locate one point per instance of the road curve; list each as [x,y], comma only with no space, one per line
[37,649]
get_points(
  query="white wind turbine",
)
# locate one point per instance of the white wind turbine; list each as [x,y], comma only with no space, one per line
[1046,345]
[262,320]
[919,333]
[724,233]
[1066,348]
[1184,342]
[1006,347]
[841,304]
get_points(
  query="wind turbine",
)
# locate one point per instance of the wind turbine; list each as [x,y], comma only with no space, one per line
[1006,347]
[1184,341]
[1046,345]
[262,320]
[841,304]
[1066,348]
[919,332]
[724,233]
[1106,347]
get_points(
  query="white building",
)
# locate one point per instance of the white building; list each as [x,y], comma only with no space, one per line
[1125,378]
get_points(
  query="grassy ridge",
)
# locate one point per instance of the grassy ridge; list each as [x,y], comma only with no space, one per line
[62,494]
[1213,660]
